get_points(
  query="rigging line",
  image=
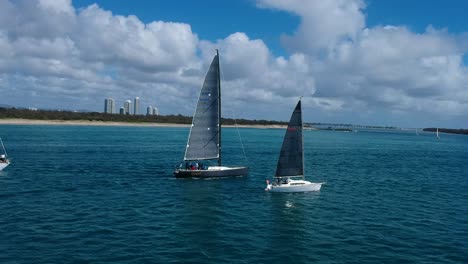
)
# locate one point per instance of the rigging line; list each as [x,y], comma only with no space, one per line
[221,74]
[3,146]
[240,138]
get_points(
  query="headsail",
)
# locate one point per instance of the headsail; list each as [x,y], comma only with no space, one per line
[203,142]
[291,159]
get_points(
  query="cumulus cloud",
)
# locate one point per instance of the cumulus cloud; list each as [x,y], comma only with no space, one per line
[157,46]
[49,49]
[54,55]
[402,71]
[323,23]
[379,71]
[252,73]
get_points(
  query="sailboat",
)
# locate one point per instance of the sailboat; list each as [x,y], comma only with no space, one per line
[289,175]
[4,162]
[437,133]
[204,141]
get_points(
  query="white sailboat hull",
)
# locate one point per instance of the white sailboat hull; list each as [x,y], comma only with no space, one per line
[294,186]
[4,165]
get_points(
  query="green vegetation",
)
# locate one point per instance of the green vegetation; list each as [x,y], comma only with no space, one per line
[345,127]
[172,119]
[95,116]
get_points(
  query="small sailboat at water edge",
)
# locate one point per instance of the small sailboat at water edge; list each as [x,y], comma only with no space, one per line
[204,142]
[289,175]
[4,162]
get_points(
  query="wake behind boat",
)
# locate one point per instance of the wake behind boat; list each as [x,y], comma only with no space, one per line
[204,142]
[289,175]
[4,162]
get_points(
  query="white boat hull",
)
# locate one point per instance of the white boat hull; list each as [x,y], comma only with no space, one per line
[294,186]
[4,165]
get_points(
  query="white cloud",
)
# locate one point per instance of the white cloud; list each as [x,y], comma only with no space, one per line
[49,49]
[384,70]
[53,55]
[39,19]
[159,45]
[323,23]
[254,80]
[394,67]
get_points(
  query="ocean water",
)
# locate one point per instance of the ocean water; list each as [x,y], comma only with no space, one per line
[84,194]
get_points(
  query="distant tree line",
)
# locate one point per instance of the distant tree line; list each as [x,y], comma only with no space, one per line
[447,130]
[95,116]
[22,113]
[334,125]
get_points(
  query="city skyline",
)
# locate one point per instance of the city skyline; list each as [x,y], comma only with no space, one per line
[395,63]
[128,108]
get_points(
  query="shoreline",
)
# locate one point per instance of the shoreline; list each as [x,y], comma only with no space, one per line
[19,121]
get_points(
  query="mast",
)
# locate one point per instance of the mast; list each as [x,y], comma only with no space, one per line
[3,146]
[302,140]
[219,110]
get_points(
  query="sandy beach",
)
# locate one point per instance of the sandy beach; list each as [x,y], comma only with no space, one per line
[18,121]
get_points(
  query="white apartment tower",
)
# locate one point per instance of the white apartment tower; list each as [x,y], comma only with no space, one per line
[149,110]
[128,107]
[109,106]
[155,111]
[136,106]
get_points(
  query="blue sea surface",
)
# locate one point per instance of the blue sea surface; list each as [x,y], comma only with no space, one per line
[87,194]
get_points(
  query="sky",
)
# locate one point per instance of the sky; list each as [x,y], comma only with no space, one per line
[369,62]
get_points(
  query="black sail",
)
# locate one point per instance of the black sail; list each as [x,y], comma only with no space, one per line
[290,162]
[203,142]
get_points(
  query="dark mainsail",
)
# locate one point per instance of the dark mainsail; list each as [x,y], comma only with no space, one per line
[291,159]
[204,138]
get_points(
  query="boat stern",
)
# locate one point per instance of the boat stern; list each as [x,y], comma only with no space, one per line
[268,186]
[3,165]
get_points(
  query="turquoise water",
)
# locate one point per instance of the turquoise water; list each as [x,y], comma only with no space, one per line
[78,194]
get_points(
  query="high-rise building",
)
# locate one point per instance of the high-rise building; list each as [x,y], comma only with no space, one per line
[136,106]
[122,110]
[109,106]
[149,110]
[155,111]
[128,107]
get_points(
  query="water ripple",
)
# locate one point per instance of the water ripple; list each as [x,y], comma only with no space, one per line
[106,195]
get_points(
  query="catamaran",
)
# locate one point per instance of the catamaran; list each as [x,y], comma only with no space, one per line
[204,141]
[4,162]
[289,175]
